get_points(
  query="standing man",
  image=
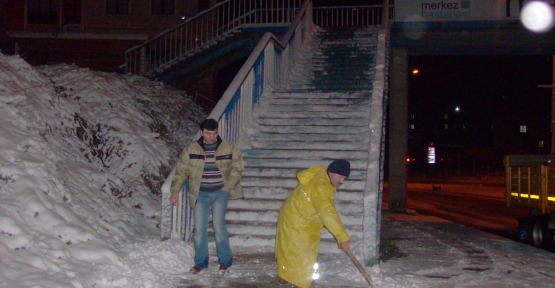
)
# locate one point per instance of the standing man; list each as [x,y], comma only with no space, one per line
[301,218]
[213,167]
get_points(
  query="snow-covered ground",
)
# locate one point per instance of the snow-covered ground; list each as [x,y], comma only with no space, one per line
[82,158]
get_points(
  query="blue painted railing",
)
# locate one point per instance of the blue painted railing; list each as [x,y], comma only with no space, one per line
[266,69]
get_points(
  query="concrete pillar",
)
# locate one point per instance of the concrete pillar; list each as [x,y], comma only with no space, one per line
[398,129]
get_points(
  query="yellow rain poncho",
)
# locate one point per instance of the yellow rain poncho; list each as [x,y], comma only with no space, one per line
[300,221]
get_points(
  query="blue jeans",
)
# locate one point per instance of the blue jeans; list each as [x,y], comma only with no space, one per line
[218,201]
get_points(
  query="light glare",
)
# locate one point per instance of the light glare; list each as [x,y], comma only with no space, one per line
[537,16]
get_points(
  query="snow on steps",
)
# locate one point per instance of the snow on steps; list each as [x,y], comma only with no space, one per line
[322,116]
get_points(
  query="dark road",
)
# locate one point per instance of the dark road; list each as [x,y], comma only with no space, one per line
[478,205]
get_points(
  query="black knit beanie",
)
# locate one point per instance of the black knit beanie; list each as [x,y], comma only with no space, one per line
[341,167]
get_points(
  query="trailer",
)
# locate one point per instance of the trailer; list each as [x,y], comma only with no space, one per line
[530,182]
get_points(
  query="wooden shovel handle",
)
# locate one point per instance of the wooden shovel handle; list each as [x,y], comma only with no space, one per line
[360,268]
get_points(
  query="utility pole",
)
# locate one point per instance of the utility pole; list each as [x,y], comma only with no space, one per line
[552,86]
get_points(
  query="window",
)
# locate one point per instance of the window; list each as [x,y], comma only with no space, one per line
[445,116]
[411,116]
[411,126]
[445,126]
[522,128]
[162,7]
[117,7]
[43,11]
[540,144]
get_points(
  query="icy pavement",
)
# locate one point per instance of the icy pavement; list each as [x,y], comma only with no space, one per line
[417,251]
[258,269]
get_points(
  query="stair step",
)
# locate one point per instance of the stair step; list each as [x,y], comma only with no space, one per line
[280,193]
[315,129]
[317,108]
[363,48]
[351,185]
[259,229]
[328,146]
[313,137]
[340,69]
[329,81]
[311,89]
[280,161]
[347,40]
[346,55]
[240,240]
[349,32]
[322,101]
[339,34]
[308,86]
[327,76]
[257,171]
[236,216]
[356,71]
[319,81]
[261,205]
[361,114]
[319,95]
[320,118]
[341,86]
[323,118]
[309,157]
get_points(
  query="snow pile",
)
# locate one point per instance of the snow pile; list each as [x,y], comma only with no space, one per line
[83,155]
[150,263]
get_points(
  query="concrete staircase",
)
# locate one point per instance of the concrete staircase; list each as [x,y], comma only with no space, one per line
[322,115]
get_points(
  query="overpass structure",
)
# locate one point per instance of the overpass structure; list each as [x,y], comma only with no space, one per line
[298,77]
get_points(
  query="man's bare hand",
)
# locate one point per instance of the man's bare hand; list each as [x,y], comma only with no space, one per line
[225,188]
[345,246]
[174,198]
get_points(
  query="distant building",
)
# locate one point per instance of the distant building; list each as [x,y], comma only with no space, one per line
[89,33]
[466,146]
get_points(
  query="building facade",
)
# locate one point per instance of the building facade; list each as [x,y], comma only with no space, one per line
[89,33]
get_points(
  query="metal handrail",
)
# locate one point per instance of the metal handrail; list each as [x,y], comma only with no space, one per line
[205,29]
[266,69]
[340,16]
[333,16]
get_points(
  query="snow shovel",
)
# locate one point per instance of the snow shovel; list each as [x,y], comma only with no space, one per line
[360,268]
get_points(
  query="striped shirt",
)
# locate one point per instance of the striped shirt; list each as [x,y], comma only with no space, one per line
[211,176]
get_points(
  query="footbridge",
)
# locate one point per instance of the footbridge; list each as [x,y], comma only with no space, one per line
[315,87]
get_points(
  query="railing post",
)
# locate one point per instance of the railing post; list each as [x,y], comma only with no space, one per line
[142,61]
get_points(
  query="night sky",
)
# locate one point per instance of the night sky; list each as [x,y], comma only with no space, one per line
[485,87]
[494,94]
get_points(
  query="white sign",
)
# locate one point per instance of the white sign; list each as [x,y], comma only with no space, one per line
[431,155]
[455,10]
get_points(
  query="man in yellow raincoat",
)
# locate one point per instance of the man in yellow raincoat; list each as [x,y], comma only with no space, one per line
[301,218]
